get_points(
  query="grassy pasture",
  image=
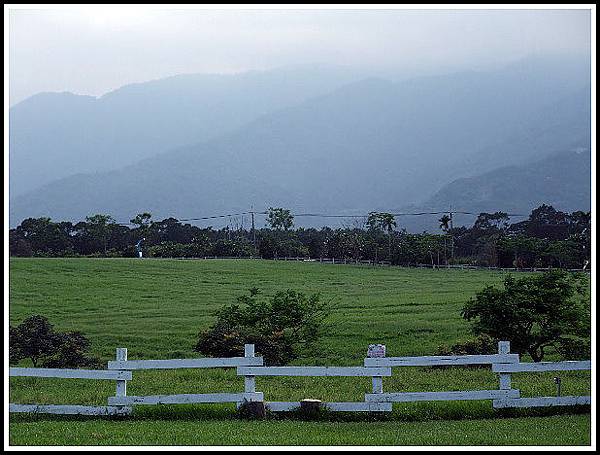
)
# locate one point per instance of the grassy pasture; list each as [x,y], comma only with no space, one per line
[155,308]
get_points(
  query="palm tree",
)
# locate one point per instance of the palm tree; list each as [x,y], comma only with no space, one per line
[385,222]
[445,221]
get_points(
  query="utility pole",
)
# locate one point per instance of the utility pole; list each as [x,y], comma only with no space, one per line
[253,230]
[451,237]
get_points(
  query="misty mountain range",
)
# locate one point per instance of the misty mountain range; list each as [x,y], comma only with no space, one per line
[310,139]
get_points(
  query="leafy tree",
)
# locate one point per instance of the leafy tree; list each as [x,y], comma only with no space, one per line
[381,220]
[385,222]
[36,339]
[42,237]
[100,226]
[279,218]
[444,222]
[17,245]
[33,339]
[313,240]
[282,326]
[522,251]
[142,220]
[533,312]
[482,344]
[491,241]
[547,222]
[71,352]
[491,222]
[276,243]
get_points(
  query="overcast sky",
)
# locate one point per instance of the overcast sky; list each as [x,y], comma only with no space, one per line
[91,50]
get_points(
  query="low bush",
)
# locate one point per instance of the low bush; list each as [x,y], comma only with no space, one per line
[482,344]
[36,339]
[281,327]
[572,348]
[534,312]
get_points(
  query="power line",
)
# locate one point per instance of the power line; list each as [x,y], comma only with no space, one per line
[325,215]
[212,217]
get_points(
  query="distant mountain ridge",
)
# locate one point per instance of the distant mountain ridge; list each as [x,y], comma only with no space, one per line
[54,135]
[562,180]
[368,145]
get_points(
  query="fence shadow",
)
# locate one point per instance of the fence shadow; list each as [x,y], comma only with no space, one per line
[414,412]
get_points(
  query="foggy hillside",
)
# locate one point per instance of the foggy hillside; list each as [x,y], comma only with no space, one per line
[372,144]
[561,180]
[54,135]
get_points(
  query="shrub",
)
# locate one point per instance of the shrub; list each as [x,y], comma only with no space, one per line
[572,348]
[33,339]
[482,344]
[36,339]
[533,312]
[281,327]
[71,352]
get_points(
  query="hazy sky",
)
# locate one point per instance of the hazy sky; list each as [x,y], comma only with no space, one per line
[92,50]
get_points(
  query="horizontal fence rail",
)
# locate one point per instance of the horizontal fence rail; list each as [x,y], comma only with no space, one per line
[313,371]
[543,366]
[543,402]
[118,376]
[453,360]
[403,397]
[70,409]
[183,363]
[250,366]
[70,374]
[187,398]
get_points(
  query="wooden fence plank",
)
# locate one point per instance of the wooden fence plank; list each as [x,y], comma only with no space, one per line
[281,406]
[358,407]
[70,409]
[249,381]
[186,398]
[377,384]
[184,363]
[448,360]
[505,378]
[542,366]
[70,374]
[542,401]
[121,386]
[441,396]
[313,371]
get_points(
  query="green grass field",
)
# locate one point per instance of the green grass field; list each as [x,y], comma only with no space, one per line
[156,308]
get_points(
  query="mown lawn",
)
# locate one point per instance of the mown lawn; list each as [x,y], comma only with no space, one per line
[155,308]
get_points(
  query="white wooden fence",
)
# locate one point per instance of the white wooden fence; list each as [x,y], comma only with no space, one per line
[503,363]
[121,398]
[374,372]
[505,371]
[71,374]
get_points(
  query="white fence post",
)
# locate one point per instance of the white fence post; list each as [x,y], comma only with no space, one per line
[121,385]
[377,350]
[249,381]
[505,379]
[377,384]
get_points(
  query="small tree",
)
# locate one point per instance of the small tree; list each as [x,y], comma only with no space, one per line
[281,327]
[36,339]
[279,218]
[33,339]
[100,227]
[142,220]
[533,312]
[384,222]
[143,223]
[71,352]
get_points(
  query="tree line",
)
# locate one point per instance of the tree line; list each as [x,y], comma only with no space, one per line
[548,238]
